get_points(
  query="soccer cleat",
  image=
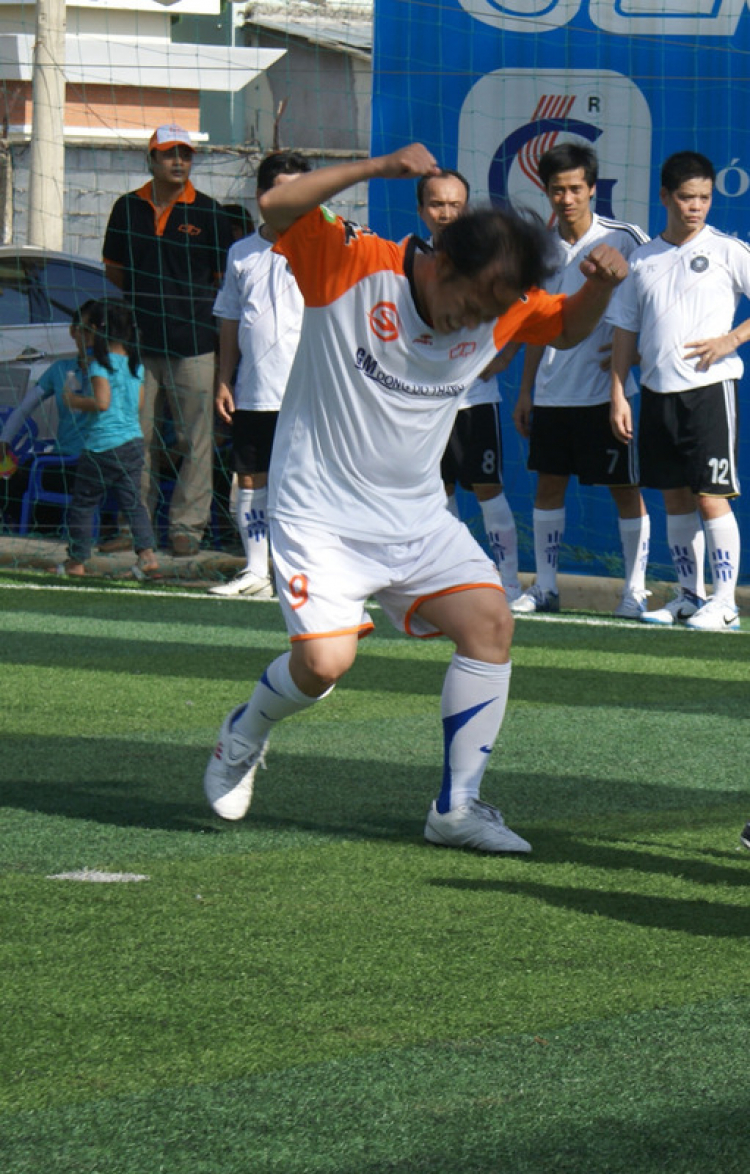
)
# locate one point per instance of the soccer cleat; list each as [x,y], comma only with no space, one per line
[632,605]
[535,600]
[475,825]
[247,584]
[715,616]
[682,607]
[230,774]
[745,836]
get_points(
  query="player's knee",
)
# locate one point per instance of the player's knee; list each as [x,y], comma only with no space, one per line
[316,665]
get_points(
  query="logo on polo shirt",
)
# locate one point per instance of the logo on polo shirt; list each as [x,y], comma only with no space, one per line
[384,321]
[190,229]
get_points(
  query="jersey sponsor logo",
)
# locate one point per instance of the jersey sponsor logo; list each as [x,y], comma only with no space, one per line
[190,229]
[532,112]
[423,340]
[384,321]
[461,350]
[370,367]
[699,264]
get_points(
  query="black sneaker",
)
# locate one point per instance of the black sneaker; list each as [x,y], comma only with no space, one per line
[745,836]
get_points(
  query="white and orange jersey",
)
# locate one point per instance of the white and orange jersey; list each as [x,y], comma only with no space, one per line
[373,391]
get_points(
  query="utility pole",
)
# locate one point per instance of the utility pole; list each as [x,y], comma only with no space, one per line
[47,164]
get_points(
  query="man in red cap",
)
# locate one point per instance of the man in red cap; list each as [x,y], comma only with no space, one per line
[165,247]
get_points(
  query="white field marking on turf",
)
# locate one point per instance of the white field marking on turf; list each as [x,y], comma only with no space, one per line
[100,878]
[372,605]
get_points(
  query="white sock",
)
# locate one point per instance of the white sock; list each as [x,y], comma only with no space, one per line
[723,542]
[472,705]
[253,526]
[549,527]
[503,539]
[687,546]
[452,505]
[275,697]
[634,536]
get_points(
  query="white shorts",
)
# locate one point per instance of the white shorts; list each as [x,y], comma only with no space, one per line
[324,580]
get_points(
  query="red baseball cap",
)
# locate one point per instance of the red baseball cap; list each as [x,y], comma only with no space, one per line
[169,135]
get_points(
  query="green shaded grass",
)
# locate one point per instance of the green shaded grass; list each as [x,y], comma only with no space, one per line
[314,988]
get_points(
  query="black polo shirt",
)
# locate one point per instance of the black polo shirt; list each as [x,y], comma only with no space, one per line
[171,267]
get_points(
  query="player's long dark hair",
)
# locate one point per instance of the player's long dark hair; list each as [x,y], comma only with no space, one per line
[518,243]
[113,321]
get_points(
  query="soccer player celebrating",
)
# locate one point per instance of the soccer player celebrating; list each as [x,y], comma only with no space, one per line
[677,309]
[392,335]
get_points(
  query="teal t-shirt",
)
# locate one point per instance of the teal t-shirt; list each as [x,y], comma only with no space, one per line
[120,422]
[72,427]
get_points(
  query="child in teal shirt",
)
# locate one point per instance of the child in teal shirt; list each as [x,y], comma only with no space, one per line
[112,456]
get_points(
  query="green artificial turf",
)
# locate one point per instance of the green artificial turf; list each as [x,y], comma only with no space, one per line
[314,989]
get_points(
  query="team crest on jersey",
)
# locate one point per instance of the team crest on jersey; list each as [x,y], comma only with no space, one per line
[461,350]
[699,264]
[384,321]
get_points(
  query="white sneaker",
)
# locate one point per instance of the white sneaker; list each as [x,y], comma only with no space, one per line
[682,607]
[715,616]
[535,600]
[513,591]
[632,605]
[476,825]
[229,777]
[245,583]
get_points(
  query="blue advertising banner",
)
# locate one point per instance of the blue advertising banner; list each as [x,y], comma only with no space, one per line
[488,86]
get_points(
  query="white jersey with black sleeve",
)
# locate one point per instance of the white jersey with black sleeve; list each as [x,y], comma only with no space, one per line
[575,378]
[678,294]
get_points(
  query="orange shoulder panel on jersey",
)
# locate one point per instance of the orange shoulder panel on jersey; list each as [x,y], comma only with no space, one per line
[537,318]
[329,255]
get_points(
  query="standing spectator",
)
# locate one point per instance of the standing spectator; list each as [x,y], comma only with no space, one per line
[260,310]
[240,219]
[112,457]
[165,247]
[356,501]
[677,308]
[568,427]
[474,455]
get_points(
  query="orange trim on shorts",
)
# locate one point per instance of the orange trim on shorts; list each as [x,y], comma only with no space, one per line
[359,630]
[436,595]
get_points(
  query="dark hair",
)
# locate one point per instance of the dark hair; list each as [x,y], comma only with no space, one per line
[113,321]
[446,173]
[240,218]
[569,157]
[82,313]
[518,244]
[279,163]
[684,165]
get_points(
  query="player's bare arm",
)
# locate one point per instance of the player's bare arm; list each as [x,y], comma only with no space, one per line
[524,403]
[709,350]
[281,206]
[229,357]
[604,268]
[624,356]
[501,361]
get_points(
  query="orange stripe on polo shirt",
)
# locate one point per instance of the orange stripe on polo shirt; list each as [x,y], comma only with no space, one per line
[186,196]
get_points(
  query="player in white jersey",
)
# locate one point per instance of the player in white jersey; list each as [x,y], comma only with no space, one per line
[474,455]
[259,307]
[568,426]
[392,336]
[677,311]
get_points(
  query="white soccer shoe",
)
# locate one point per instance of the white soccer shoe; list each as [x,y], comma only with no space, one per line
[684,605]
[632,605]
[247,584]
[715,616]
[475,825]
[230,774]
[535,600]
[513,591]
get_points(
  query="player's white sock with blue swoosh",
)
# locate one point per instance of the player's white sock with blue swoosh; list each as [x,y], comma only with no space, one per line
[473,703]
